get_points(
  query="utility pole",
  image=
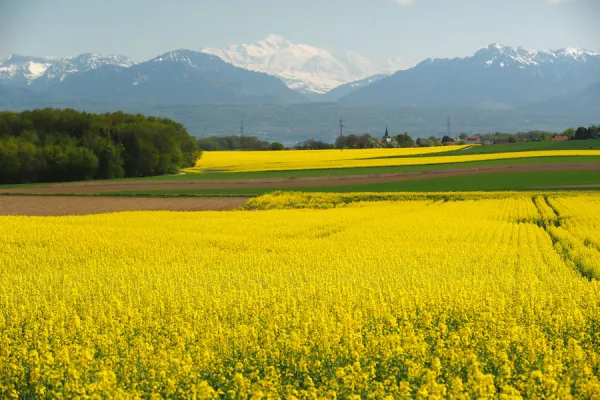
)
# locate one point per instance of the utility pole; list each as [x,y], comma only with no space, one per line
[449,130]
[342,126]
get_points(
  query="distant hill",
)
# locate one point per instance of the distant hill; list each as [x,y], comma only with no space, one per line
[17,98]
[586,99]
[497,77]
[289,124]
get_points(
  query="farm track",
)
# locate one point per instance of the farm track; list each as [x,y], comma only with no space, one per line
[70,205]
[98,187]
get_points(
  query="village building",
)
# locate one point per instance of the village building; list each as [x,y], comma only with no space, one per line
[473,140]
[387,138]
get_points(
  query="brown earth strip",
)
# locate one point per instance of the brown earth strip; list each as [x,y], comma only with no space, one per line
[56,205]
[122,186]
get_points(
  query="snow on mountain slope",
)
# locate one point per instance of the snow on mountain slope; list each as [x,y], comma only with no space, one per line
[39,72]
[496,76]
[507,56]
[302,67]
[21,70]
[64,67]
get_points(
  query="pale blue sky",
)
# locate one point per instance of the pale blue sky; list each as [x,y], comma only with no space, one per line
[379,29]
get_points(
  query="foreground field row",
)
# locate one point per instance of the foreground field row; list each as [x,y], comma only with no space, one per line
[75,205]
[485,177]
[249,161]
[484,295]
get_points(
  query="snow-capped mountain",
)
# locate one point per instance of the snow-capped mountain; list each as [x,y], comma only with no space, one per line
[541,63]
[21,71]
[181,77]
[506,56]
[496,76]
[64,67]
[302,67]
[40,73]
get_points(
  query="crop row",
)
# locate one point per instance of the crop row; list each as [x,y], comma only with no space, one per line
[395,299]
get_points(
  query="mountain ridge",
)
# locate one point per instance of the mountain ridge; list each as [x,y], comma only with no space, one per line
[304,68]
[42,72]
[495,76]
[180,77]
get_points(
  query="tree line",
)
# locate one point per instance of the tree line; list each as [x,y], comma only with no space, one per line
[581,133]
[223,143]
[52,145]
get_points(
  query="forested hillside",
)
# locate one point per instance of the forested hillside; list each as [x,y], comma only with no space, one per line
[53,145]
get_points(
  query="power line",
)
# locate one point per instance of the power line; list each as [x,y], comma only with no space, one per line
[342,126]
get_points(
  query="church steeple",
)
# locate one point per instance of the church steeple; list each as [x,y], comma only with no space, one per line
[386,133]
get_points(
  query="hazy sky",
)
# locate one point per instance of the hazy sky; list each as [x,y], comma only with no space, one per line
[379,29]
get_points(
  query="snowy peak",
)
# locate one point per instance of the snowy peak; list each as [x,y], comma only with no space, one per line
[90,61]
[576,54]
[495,77]
[302,67]
[506,56]
[22,71]
[64,67]
[177,56]
[193,59]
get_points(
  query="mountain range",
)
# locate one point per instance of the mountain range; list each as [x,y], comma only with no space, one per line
[276,72]
[497,77]
[181,77]
[39,73]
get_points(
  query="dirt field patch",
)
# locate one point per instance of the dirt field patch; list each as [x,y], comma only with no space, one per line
[285,183]
[57,205]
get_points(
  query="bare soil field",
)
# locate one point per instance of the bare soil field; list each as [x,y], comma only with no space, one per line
[98,187]
[69,205]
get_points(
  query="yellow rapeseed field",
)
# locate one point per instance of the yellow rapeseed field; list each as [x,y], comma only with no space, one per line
[482,297]
[248,161]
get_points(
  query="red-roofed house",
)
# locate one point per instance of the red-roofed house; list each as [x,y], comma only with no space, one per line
[560,138]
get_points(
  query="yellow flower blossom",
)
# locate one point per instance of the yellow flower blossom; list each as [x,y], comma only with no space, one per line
[383,296]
